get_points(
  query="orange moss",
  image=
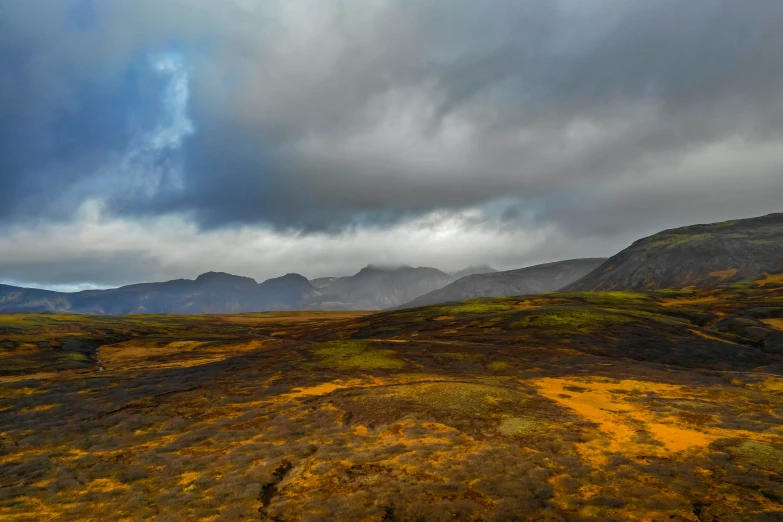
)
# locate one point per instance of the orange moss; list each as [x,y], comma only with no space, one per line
[42,407]
[325,388]
[188,477]
[29,377]
[770,278]
[708,336]
[290,317]
[621,421]
[725,274]
[777,324]
[689,301]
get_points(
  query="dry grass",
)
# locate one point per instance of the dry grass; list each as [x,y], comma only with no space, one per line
[386,417]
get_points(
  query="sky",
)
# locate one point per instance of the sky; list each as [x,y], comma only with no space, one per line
[146,140]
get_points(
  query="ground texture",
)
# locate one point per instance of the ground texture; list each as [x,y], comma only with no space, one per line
[589,406]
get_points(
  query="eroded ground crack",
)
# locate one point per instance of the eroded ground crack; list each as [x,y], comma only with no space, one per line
[269,490]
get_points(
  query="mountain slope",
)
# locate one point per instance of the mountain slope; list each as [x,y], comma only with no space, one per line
[17,299]
[531,280]
[374,288]
[213,292]
[700,256]
[471,270]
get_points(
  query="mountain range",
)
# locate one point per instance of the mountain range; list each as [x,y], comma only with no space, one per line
[698,256]
[372,288]
[531,280]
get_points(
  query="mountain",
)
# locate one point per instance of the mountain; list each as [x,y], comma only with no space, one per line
[16,299]
[699,256]
[372,288]
[531,280]
[322,282]
[375,287]
[213,292]
[471,270]
[286,292]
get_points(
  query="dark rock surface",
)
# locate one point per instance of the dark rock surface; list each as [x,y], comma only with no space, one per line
[699,256]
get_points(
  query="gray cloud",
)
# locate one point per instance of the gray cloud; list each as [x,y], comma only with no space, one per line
[600,118]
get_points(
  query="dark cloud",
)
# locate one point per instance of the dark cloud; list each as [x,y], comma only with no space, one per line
[326,115]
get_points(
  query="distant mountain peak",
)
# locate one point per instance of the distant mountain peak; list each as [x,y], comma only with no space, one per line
[471,270]
[384,268]
[223,277]
[290,277]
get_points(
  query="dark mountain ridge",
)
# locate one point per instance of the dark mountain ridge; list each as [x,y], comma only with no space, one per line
[698,256]
[212,292]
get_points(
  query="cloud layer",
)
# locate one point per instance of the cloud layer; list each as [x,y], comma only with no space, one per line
[319,125]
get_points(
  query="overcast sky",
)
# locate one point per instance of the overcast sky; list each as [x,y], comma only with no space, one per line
[145,140]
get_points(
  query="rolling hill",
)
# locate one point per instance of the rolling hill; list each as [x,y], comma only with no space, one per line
[698,256]
[531,280]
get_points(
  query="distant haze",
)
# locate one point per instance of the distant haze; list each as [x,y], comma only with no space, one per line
[150,141]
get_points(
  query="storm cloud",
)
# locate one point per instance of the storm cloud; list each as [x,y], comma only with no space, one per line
[325,121]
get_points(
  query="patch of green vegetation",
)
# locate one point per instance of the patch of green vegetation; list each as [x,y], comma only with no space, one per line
[740,287]
[40,362]
[617,298]
[518,426]
[671,292]
[739,284]
[476,308]
[418,316]
[77,357]
[761,454]
[357,355]
[644,314]
[499,366]
[20,364]
[674,240]
[458,356]
[726,224]
[571,320]
[457,398]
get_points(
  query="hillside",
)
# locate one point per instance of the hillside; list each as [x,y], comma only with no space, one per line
[471,270]
[375,288]
[663,405]
[698,256]
[531,280]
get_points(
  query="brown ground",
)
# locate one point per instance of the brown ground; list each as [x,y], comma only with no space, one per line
[554,407]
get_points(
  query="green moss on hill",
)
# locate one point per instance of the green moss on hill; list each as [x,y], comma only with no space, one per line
[357,355]
[570,320]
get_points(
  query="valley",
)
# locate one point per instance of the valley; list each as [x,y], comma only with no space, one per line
[562,406]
